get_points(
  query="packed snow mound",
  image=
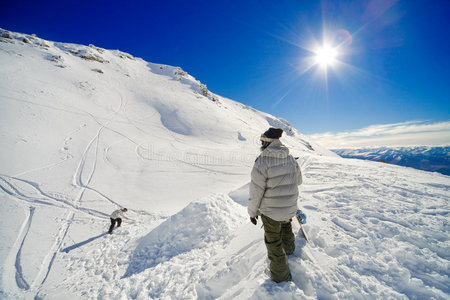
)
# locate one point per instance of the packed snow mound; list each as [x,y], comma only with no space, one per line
[202,222]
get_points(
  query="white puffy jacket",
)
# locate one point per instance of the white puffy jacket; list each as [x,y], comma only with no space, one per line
[274,186]
[117,214]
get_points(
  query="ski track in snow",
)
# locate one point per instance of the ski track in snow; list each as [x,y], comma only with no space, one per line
[47,263]
[41,198]
[79,182]
[20,280]
[6,184]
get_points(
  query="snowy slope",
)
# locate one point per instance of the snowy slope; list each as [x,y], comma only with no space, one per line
[434,159]
[86,130]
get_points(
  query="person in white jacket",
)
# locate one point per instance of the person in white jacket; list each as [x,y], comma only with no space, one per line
[274,185]
[117,216]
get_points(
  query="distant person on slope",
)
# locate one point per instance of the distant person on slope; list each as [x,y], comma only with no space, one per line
[117,216]
[273,195]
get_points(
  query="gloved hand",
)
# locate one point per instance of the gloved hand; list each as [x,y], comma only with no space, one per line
[301,216]
[253,220]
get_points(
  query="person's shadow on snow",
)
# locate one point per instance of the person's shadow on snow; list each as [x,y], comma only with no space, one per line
[78,245]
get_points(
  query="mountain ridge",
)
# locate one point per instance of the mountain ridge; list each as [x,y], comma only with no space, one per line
[426,158]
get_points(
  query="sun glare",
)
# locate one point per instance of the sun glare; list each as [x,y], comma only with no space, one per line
[326,56]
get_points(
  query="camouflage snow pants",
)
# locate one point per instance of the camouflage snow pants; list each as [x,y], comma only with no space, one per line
[280,242]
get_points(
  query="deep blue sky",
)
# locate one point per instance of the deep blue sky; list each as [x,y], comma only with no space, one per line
[396,67]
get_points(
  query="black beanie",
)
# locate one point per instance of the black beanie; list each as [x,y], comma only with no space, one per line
[273,133]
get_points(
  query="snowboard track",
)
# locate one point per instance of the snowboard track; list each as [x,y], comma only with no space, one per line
[20,279]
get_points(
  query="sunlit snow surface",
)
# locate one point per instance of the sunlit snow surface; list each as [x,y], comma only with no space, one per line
[86,130]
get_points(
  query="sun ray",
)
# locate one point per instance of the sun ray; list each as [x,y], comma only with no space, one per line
[354,69]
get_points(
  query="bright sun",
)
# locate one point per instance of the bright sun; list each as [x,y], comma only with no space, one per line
[325,56]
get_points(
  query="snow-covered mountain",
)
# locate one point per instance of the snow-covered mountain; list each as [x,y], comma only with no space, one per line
[434,159]
[86,130]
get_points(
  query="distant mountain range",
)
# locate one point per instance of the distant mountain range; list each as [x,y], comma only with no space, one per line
[434,159]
